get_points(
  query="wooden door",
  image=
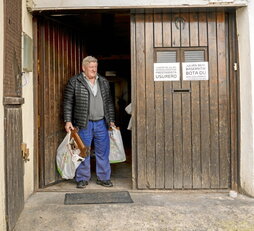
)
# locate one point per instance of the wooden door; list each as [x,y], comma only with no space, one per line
[183,139]
[12,100]
[14,160]
[60,52]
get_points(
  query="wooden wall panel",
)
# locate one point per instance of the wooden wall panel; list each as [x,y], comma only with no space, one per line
[150,104]
[141,106]
[186,112]
[159,110]
[12,101]
[223,102]
[168,112]
[134,88]
[176,33]
[14,164]
[195,109]
[204,109]
[213,92]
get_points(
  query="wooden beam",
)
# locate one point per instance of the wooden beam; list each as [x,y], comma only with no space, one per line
[38,5]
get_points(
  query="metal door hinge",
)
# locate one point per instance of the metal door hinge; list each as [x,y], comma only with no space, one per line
[235,66]
[25,152]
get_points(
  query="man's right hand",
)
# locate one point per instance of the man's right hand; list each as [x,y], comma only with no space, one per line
[68,126]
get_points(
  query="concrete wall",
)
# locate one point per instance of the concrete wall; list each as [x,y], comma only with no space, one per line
[27,109]
[245,31]
[2,172]
[105,4]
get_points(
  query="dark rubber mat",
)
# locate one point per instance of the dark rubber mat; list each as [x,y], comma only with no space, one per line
[97,198]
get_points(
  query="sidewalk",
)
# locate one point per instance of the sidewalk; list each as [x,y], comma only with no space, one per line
[183,210]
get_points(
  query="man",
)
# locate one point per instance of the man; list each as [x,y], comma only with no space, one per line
[88,105]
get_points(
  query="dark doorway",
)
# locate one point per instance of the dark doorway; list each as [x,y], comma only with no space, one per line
[64,39]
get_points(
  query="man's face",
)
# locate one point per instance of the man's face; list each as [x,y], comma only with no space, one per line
[90,70]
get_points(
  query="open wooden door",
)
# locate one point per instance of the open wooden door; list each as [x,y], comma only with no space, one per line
[185,130]
[60,52]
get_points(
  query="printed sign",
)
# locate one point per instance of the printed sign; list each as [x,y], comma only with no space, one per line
[195,71]
[166,71]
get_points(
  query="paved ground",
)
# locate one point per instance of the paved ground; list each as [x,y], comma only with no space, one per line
[45,211]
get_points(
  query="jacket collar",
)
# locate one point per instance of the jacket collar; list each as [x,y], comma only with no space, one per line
[81,79]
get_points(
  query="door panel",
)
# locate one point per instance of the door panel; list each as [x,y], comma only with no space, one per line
[12,101]
[190,131]
[60,52]
[14,160]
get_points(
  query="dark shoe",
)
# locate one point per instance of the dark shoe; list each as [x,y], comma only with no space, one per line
[82,184]
[105,183]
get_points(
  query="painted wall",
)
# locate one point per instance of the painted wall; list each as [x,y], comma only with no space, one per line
[245,31]
[27,109]
[105,4]
[2,172]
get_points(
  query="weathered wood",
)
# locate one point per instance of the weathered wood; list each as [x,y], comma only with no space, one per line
[141,109]
[150,104]
[134,102]
[223,103]
[177,112]
[41,73]
[14,164]
[177,132]
[214,120]
[8,100]
[204,111]
[193,29]
[202,28]
[166,26]
[233,54]
[35,99]
[184,29]
[159,114]
[195,110]
[168,102]
[186,114]
[157,30]
[176,39]
[58,62]
[196,124]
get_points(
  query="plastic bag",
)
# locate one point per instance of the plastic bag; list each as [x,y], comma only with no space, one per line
[67,158]
[128,110]
[117,153]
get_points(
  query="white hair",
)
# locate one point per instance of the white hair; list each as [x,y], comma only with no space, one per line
[89,59]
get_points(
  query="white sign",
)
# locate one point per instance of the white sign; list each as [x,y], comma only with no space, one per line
[195,71]
[166,71]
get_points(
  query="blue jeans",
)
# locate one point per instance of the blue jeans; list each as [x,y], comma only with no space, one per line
[98,132]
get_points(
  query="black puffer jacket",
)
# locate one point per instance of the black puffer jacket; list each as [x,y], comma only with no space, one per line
[76,101]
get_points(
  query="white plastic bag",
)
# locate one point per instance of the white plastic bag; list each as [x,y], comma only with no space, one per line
[117,153]
[128,110]
[67,158]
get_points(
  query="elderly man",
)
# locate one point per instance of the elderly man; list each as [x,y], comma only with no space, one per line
[88,105]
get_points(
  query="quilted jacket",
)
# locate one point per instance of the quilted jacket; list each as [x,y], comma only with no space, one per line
[76,101]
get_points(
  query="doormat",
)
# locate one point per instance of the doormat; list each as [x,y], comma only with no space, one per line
[97,198]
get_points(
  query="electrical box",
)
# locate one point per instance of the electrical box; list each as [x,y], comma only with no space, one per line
[27,58]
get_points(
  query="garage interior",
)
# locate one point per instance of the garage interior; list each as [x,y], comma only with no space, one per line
[106,36]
